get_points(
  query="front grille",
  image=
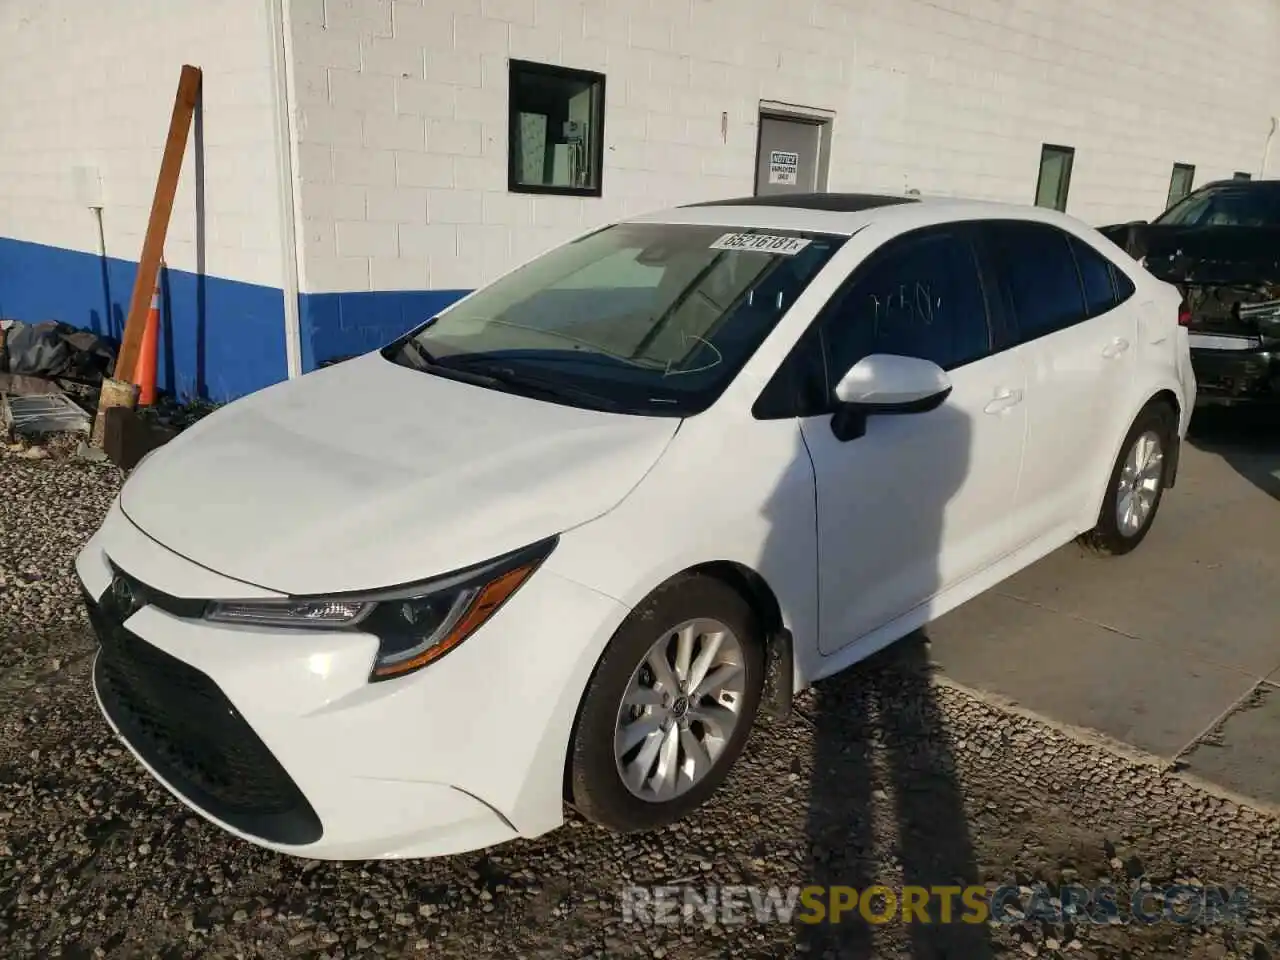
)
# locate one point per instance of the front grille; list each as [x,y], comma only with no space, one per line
[145,595]
[186,729]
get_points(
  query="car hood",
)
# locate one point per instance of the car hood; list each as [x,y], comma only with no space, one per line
[367,474]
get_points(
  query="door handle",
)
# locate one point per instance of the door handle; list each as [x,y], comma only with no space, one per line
[1003,400]
[1116,347]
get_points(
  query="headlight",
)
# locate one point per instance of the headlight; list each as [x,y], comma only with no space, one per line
[415,625]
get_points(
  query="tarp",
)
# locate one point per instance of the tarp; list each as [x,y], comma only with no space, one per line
[51,349]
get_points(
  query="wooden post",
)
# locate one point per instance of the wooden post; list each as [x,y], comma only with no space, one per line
[120,391]
[175,146]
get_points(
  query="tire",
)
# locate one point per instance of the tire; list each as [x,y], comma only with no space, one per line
[596,786]
[1110,536]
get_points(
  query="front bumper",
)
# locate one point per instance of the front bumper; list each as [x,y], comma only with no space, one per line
[1230,377]
[277,736]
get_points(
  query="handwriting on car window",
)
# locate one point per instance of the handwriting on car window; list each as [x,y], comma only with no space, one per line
[903,304]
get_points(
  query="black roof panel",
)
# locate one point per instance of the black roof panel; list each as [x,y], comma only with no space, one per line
[834,202]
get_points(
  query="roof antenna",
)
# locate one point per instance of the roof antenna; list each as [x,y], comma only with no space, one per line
[1266,150]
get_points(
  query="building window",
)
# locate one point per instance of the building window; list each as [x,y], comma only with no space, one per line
[1055,176]
[1241,175]
[556,138]
[1184,175]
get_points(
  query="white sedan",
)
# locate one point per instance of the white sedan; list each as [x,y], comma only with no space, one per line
[560,543]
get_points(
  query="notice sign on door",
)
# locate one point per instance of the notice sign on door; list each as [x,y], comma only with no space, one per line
[784,167]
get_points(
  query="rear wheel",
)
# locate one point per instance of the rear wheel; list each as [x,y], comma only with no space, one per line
[669,707]
[1137,483]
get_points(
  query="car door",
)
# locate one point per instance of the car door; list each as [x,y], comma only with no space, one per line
[921,500]
[1079,348]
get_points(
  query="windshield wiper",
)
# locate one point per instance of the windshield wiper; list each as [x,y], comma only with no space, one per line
[592,348]
[421,359]
[525,382]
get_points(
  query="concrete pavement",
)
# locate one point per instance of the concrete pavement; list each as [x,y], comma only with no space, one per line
[1174,649]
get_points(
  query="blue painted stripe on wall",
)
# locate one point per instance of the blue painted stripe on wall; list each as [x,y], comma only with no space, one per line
[349,324]
[219,339]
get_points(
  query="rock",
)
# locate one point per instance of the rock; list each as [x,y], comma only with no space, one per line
[90,454]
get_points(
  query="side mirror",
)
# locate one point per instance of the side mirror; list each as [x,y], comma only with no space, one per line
[886,384]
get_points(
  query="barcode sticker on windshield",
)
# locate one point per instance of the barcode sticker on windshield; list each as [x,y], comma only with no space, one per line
[761,243]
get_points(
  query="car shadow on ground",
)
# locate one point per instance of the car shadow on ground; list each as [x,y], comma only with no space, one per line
[884,768]
[1247,439]
[886,814]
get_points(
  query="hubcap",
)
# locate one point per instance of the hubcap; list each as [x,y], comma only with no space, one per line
[1139,485]
[680,710]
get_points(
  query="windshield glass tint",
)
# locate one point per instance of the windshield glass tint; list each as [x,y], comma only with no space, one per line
[1229,205]
[645,318]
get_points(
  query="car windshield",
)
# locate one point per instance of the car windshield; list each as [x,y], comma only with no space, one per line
[643,318]
[1228,205]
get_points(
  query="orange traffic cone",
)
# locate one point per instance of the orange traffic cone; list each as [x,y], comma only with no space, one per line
[144,373]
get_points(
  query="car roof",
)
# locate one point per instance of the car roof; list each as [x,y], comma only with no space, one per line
[836,202]
[1258,185]
[844,214]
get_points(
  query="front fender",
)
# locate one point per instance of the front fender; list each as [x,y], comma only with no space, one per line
[742,495]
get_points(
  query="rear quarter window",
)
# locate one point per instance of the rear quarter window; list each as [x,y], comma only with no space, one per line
[1095,277]
[1123,285]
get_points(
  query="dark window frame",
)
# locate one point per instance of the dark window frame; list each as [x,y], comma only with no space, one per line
[596,137]
[1064,186]
[1186,168]
[781,399]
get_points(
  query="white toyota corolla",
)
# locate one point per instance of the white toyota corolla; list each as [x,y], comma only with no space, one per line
[564,540]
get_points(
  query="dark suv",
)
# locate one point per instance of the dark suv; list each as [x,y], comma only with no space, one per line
[1221,246]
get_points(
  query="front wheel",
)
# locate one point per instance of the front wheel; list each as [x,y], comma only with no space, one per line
[1137,483]
[669,707]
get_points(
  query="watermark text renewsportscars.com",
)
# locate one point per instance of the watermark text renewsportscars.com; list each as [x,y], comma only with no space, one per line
[1180,903]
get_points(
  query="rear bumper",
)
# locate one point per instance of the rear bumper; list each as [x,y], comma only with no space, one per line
[1230,378]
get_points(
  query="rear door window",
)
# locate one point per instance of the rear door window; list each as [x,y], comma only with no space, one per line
[1039,274]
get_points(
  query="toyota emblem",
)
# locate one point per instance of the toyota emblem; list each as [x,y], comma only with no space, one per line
[125,599]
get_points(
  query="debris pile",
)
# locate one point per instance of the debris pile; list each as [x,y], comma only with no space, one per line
[51,376]
[48,371]
[54,350]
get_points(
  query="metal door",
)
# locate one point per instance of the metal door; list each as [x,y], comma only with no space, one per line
[788,158]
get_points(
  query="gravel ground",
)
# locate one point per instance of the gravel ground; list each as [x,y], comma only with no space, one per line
[882,776]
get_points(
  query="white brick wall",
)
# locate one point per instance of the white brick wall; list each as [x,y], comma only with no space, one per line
[92,85]
[944,96]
